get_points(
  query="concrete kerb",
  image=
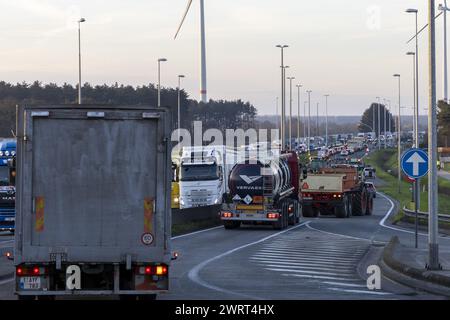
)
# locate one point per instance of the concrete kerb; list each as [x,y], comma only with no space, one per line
[410,276]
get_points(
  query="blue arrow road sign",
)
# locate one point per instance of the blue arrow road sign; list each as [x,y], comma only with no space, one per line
[415,163]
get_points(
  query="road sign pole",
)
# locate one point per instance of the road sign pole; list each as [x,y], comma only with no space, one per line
[416,209]
[433,263]
[415,164]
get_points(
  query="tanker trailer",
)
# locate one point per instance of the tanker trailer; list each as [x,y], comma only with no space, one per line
[263,192]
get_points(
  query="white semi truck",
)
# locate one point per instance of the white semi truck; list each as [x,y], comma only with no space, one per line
[204,174]
[93,201]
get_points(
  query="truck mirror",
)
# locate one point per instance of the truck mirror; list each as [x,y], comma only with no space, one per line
[175,256]
[9,256]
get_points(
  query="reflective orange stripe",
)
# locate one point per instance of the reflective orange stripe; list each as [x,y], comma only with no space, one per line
[39,225]
[149,204]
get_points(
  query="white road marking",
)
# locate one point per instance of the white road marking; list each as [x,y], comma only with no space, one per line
[343,284]
[314,277]
[341,235]
[314,262]
[361,291]
[301,271]
[324,258]
[193,274]
[196,232]
[383,221]
[306,266]
[6,281]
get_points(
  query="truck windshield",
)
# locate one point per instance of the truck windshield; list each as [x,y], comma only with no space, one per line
[4,176]
[199,172]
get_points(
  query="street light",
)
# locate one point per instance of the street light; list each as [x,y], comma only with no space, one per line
[298,112]
[304,118]
[290,111]
[326,119]
[179,104]
[433,241]
[399,133]
[416,91]
[379,126]
[309,121]
[283,97]
[444,8]
[159,79]
[79,58]
[317,121]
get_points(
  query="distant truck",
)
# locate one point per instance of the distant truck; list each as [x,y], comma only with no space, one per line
[7,185]
[264,191]
[93,201]
[340,191]
[203,175]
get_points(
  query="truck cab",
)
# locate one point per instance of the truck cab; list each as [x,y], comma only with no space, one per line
[202,176]
[7,186]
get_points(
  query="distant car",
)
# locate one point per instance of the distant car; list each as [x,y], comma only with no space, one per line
[371,189]
[369,172]
[344,153]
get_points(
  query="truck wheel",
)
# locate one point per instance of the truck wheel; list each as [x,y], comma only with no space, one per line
[369,208]
[299,212]
[341,211]
[293,219]
[307,211]
[359,203]
[282,221]
[231,224]
[349,207]
[315,212]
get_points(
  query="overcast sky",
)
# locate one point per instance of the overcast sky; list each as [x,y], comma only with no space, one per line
[347,48]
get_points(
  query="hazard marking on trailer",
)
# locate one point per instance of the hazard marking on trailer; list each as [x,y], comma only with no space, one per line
[39,205]
[305,186]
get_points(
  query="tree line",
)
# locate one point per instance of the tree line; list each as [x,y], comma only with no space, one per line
[218,114]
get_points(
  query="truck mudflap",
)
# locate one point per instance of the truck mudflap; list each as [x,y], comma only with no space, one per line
[82,280]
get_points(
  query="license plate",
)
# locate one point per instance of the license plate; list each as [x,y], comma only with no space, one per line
[28,283]
[249,213]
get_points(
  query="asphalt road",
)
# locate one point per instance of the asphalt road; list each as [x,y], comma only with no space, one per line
[321,258]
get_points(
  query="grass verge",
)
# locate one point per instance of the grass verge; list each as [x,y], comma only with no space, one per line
[385,162]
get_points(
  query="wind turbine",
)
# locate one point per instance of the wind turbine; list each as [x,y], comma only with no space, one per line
[203,96]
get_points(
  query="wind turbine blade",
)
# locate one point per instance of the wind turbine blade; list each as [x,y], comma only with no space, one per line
[184,17]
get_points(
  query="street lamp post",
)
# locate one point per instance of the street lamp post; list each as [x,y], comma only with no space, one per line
[309,121]
[283,98]
[304,118]
[317,122]
[179,105]
[444,8]
[399,134]
[278,116]
[379,127]
[290,111]
[159,79]
[326,119]
[79,58]
[433,243]
[298,112]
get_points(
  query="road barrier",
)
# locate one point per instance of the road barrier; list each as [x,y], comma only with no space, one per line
[180,216]
[424,215]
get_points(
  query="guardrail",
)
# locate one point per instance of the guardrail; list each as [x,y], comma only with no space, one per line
[424,215]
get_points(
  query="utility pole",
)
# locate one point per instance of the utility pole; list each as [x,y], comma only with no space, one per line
[283,98]
[433,262]
[317,122]
[309,123]
[298,113]
[399,136]
[379,128]
[326,119]
[290,111]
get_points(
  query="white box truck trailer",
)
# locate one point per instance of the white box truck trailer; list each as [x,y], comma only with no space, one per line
[93,201]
